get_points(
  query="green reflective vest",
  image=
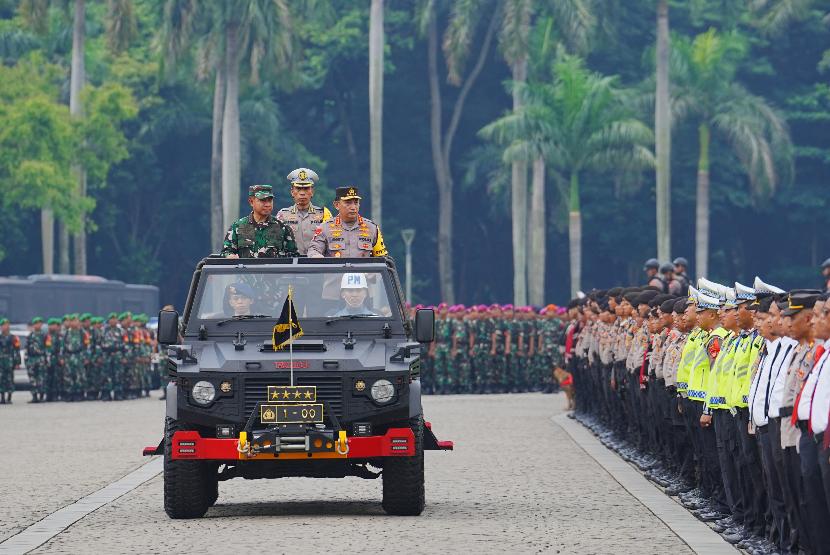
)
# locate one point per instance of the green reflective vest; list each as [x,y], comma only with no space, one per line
[701,366]
[687,357]
[748,353]
[719,381]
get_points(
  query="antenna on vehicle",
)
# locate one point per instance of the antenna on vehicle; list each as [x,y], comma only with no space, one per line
[291,332]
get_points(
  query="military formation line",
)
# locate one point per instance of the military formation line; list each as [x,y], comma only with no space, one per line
[81,357]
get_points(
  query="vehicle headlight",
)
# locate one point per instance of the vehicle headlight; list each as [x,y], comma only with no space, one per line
[383,391]
[203,392]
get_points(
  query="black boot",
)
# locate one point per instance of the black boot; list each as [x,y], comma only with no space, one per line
[34,397]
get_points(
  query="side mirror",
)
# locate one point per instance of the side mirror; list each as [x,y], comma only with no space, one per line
[168,330]
[425,325]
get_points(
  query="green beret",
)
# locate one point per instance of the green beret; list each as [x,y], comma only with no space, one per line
[97,320]
[66,317]
[124,315]
[36,319]
[112,315]
[86,316]
[51,321]
[4,321]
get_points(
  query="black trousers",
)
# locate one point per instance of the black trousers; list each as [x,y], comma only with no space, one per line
[790,482]
[711,464]
[780,531]
[726,441]
[691,417]
[750,475]
[816,516]
[824,465]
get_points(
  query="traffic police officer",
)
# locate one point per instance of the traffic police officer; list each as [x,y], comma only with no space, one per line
[349,235]
[303,217]
[259,234]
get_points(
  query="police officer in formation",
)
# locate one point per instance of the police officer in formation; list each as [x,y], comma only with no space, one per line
[82,357]
[493,349]
[721,396]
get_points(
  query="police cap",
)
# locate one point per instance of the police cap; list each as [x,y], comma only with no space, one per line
[651,263]
[680,261]
[665,268]
[346,193]
[302,177]
[825,264]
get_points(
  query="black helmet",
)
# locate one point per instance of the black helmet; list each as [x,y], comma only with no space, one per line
[666,268]
[651,263]
[680,261]
[825,264]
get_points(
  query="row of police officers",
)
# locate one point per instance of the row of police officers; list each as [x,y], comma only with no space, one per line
[81,357]
[722,396]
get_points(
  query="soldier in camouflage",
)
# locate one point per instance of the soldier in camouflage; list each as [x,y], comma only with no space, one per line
[460,351]
[259,234]
[9,360]
[53,368]
[92,372]
[441,350]
[112,349]
[37,359]
[74,347]
[482,340]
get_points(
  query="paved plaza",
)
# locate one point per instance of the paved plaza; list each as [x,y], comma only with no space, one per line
[522,479]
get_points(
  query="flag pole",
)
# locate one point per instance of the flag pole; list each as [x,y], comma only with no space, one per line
[291,332]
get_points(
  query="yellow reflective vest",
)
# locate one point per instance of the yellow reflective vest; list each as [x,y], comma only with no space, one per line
[719,381]
[687,357]
[702,364]
[748,353]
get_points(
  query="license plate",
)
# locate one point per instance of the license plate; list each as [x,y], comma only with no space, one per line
[308,413]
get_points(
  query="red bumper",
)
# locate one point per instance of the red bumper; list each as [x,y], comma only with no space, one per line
[397,442]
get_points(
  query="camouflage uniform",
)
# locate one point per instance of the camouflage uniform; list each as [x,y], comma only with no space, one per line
[9,360]
[483,327]
[249,239]
[74,358]
[498,363]
[92,366]
[443,369]
[136,370]
[513,366]
[112,347]
[37,361]
[461,360]
[54,369]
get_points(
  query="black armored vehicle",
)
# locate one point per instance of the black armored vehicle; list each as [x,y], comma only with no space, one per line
[339,396]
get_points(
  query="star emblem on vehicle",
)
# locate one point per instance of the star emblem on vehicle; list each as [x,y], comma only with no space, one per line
[275,395]
[297,394]
[308,395]
[285,394]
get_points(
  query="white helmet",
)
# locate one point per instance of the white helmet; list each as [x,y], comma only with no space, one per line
[353,281]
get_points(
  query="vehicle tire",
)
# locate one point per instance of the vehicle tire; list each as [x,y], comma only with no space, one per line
[212,484]
[403,477]
[187,488]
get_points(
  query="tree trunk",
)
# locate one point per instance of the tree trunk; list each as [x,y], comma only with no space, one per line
[536,258]
[518,212]
[702,211]
[443,177]
[662,135]
[63,248]
[376,108]
[575,235]
[230,130]
[77,79]
[47,234]
[216,216]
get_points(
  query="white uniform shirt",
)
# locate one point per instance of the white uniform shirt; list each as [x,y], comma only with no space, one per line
[806,399]
[778,355]
[820,406]
[778,377]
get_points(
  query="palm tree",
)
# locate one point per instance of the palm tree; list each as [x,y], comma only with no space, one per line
[376,108]
[574,21]
[578,123]
[755,132]
[231,36]
[120,28]
[662,133]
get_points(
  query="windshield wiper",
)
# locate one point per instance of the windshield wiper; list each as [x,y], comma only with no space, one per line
[351,317]
[245,317]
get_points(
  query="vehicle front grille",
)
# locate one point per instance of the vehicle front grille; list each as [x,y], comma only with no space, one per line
[329,389]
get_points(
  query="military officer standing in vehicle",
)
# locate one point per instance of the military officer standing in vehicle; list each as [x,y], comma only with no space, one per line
[259,234]
[348,235]
[37,360]
[9,360]
[303,217]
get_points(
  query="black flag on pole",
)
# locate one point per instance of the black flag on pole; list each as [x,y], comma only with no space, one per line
[288,326]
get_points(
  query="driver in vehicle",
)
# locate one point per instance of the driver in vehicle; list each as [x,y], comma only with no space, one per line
[354,290]
[239,298]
